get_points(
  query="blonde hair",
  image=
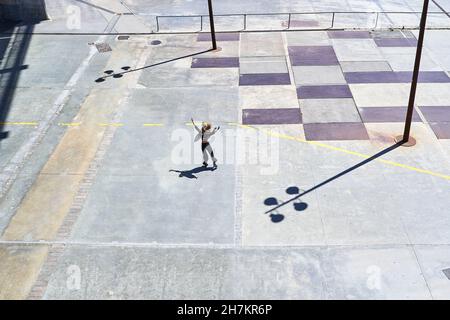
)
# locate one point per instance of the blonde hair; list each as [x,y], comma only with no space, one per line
[206,125]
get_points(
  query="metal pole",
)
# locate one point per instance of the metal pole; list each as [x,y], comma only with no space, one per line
[412,94]
[211,24]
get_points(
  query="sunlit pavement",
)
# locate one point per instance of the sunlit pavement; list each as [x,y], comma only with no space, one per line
[103,195]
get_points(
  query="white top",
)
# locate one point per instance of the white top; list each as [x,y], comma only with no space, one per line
[204,135]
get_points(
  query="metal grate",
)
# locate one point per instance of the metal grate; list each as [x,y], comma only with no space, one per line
[103,47]
[123,37]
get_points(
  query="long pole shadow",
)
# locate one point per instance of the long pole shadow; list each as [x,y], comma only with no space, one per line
[120,74]
[96,6]
[375,156]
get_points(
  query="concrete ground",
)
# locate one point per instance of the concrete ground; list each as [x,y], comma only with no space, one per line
[103,196]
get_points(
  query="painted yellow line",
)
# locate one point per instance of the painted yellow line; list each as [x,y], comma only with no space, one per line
[69,124]
[358,154]
[110,124]
[19,123]
[153,124]
[241,125]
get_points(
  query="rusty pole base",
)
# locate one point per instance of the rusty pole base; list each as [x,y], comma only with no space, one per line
[411,142]
[217,50]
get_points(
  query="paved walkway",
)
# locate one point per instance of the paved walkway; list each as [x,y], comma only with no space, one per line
[310,200]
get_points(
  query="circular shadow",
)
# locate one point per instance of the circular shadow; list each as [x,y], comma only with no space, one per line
[271,201]
[155,42]
[300,206]
[126,68]
[293,190]
[109,71]
[118,76]
[276,217]
[100,80]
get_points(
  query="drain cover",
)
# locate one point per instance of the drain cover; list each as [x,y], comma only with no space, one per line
[155,42]
[103,47]
[447,273]
[123,37]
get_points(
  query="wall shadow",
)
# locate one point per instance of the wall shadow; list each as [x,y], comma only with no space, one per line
[13,49]
[23,10]
[356,166]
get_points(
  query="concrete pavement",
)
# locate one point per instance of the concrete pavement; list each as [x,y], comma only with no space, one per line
[110,201]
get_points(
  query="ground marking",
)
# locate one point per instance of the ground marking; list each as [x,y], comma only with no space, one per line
[10,171]
[110,124]
[69,124]
[268,132]
[19,123]
[153,124]
[330,147]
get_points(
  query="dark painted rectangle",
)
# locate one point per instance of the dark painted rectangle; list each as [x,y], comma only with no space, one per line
[264,79]
[441,129]
[215,63]
[436,113]
[349,34]
[324,92]
[271,116]
[335,131]
[312,56]
[395,77]
[219,36]
[386,114]
[395,42]
[372,77]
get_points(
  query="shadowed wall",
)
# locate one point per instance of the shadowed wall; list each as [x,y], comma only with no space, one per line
[23,10]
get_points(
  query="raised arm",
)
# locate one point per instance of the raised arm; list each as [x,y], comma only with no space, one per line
[196,128]
[215,130]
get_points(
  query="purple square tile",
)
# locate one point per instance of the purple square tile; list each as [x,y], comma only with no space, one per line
[262,79]
[312,56]
[395,77]
[271,116]
[215,63]
[441,129]
[436,113]
[396,42]
[429,76]
[386,114]
[424,77]
[349,34]
[335,131]
[324,92]
[372,77]
[219,36]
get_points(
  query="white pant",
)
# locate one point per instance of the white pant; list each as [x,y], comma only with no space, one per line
[206,148]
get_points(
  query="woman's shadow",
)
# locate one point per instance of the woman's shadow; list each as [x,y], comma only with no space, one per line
[190,173]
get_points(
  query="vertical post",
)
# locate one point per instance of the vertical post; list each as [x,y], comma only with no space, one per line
[412,94]
[211,24]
